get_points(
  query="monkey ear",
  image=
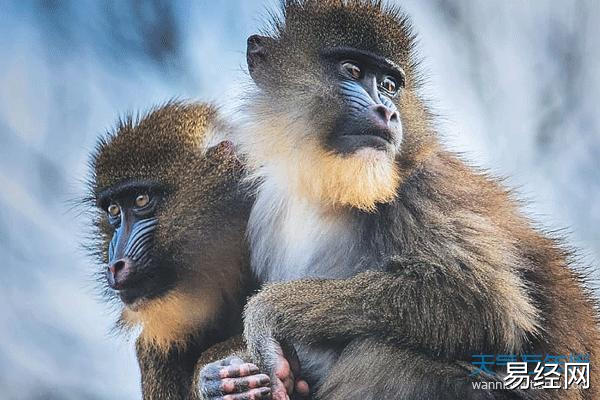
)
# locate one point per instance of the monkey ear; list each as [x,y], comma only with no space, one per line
[223,154]
[256,54]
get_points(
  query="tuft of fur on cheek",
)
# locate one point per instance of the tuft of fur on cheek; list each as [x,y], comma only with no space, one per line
[285,147]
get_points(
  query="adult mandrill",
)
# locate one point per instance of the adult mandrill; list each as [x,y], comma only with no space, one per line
[170,226]
[416,261]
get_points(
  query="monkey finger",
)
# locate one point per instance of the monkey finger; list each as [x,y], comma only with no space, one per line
[302,388]
[219,389]
[238,370]
[263,393]
[280,391]
[284,374]
[240,385]
[291,356]
[282,368]
[228,368]
[233,360]
[288,383]
[212,370]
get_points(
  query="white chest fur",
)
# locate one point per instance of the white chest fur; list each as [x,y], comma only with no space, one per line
[292,238]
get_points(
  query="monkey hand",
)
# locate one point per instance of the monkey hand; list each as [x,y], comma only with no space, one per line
[233,379]
[285,373]
[276,357]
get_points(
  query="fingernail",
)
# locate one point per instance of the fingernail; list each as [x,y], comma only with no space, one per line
[264,380]
[265,393]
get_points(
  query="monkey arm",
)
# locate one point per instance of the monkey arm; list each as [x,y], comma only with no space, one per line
[414,304]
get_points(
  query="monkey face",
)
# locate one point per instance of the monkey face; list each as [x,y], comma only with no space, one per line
[135,270]
[332,116]
[345,69]
[353,96]
[367,86]
[336,116]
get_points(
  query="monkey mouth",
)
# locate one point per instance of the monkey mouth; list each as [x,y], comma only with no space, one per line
[144,287]
[351,135]
[377,139]
[131,295]
[136,298]
[378,134]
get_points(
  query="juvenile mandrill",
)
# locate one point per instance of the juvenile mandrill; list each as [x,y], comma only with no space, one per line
[170,227]
[391,261]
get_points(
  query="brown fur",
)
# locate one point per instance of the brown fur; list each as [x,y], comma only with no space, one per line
[200,231]
[173,133]
[173,320]
[176,368]
[444,268]
[287,134]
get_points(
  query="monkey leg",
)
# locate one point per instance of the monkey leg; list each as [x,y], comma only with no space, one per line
[371,370]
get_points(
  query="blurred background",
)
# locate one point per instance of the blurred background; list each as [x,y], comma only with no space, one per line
[516,84]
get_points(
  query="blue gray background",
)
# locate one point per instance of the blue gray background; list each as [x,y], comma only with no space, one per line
[516,84]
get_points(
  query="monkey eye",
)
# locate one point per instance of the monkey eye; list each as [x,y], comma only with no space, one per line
[389,85]
[113,210]
[142,200]
[352,69]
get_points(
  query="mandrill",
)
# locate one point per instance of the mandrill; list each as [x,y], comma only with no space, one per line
[388,260]
[169,231]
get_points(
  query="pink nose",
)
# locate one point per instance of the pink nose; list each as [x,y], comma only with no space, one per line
[120,272]
[384,114]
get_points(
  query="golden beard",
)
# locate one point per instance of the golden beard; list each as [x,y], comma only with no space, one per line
[172,319]
[277,147]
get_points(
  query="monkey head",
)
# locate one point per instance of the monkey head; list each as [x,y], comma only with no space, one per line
[335,100]
[170,218]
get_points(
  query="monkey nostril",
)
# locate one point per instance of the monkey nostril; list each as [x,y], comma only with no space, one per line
[116,267]
[120,273]
[385,113]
